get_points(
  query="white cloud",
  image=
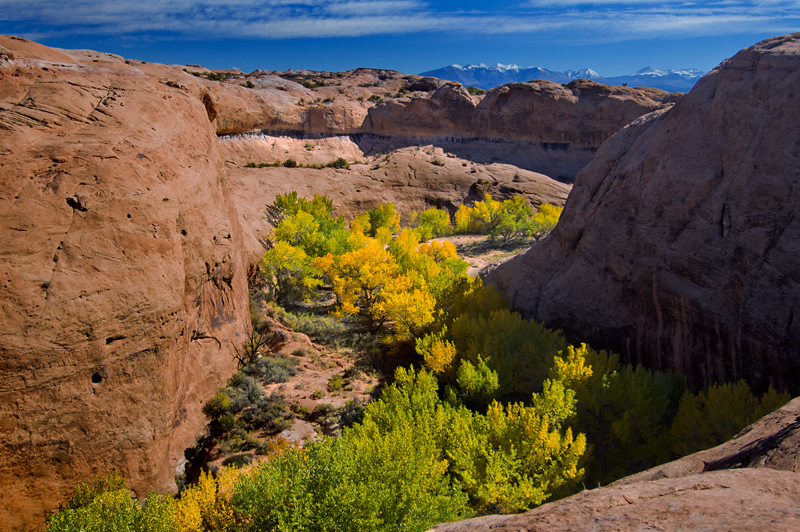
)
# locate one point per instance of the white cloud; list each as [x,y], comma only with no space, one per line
[584,20]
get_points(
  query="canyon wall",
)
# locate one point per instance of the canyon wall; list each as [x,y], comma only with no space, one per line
[540,126]
[123,280]
[679,245]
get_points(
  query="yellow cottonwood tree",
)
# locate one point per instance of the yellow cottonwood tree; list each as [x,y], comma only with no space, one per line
[207,504]
[368,283]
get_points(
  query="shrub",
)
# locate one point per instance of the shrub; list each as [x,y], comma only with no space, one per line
[318,394]
[374,98]
[339,163]
[238,460]
[351,413]
[335,383]
[290,163]
[269,414]
[217,406]
[273,369]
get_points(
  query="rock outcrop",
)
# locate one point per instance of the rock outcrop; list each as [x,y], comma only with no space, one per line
[122,273]
[582,114]
[679,246]
[411,178]
[558,127]
[749,484]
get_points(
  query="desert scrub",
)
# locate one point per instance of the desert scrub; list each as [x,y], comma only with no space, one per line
[324,329]
[339,163]
[301,352]
[273,369]
[335,383]
[269,415]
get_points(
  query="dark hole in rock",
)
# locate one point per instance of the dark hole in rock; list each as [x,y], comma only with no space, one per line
[97,378]
[211,108]
[75,203]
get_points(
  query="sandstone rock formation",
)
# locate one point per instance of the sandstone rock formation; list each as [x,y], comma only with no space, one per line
[679,244]
[122,273]
[411,178]
[130,220]
[749,484]
[558,128]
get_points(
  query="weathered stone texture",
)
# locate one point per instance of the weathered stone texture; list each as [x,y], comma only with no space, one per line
[123,280]
[679,246]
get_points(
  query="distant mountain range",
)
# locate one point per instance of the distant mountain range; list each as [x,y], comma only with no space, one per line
[487,77]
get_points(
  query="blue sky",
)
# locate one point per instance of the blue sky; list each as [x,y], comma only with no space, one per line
[613,37]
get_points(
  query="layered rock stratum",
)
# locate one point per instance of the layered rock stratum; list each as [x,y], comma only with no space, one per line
[679,244]
[539,126]
[749,484]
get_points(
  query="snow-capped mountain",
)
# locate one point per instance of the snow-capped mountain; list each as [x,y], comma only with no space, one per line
[689,73]
[486,77]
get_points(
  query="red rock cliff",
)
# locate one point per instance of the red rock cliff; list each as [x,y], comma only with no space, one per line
[123,283]
[679,245]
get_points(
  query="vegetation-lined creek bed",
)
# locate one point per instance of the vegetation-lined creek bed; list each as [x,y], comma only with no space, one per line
[474,410]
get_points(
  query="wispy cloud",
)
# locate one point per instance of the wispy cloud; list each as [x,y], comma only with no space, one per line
[284,19]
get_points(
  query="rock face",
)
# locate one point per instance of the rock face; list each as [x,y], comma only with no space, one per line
[558,127]
[582,114]
[749,484]
[123,280]
[679,246]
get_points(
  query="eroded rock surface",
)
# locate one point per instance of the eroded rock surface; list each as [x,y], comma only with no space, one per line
[749,484]
[679,246]
[122,274]
[540,126]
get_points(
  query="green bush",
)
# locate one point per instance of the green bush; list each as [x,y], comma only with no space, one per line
[339,163]
[270,414]
[290,163]
[273,369]
[335,383]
